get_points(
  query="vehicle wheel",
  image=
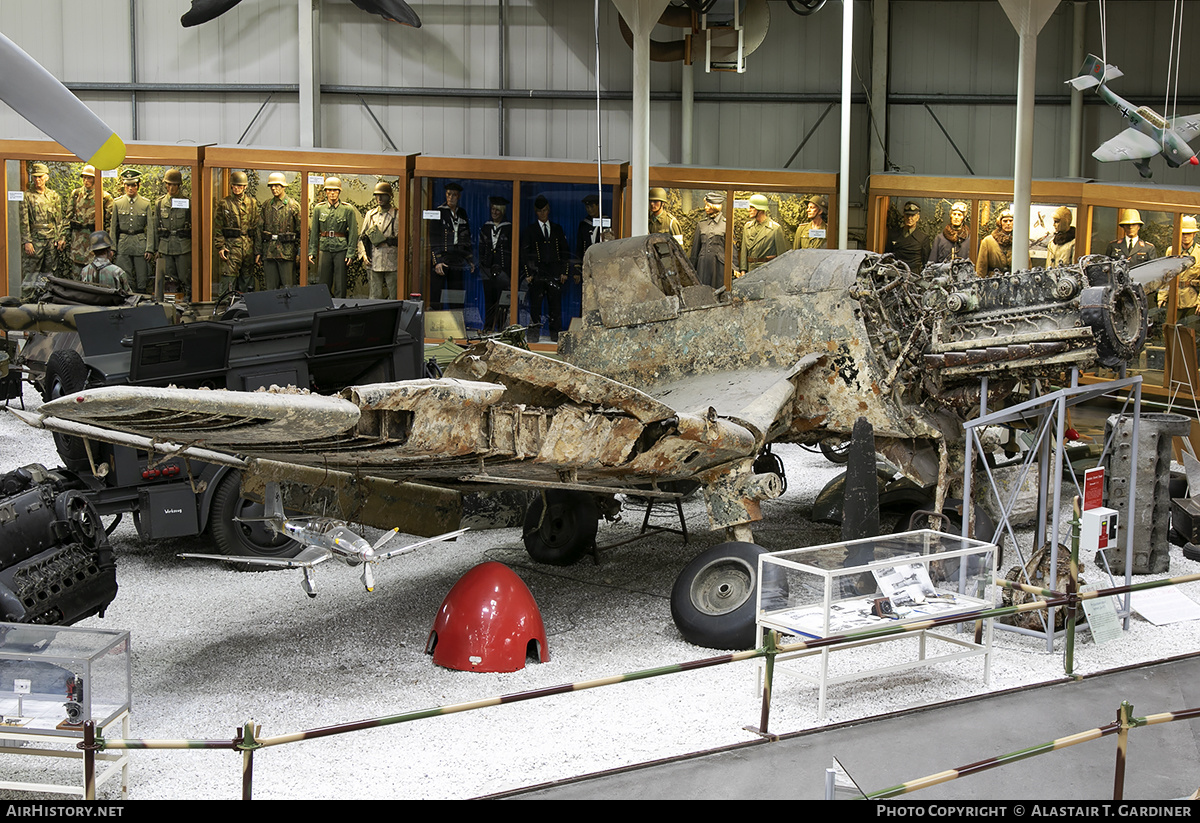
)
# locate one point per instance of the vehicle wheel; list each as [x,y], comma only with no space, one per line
[66,373]
[713,599]
[567,531]
[244,539]
[836,452]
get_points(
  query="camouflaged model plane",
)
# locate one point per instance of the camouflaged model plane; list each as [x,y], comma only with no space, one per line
[661,379]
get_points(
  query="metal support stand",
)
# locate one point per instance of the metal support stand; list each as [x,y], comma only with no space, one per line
[1042,412]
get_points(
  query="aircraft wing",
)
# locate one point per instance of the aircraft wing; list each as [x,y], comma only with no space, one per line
[309,557]
[1130,144]
[1186,126]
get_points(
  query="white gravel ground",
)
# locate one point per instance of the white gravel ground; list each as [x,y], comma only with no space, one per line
[214,648]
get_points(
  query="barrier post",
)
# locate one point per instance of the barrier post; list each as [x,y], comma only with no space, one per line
[247,743]
[89,759]
[771,648]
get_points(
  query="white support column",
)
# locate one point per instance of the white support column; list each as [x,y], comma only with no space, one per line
[309,48]
[640,15]
[844,162]
[1027,17]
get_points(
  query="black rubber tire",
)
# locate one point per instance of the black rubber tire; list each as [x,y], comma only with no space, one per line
[838,453]
[713,601]
[66,373]
[567,532]
[244,539]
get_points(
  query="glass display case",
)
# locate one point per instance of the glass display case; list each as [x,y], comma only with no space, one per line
[53,679]
[893,581]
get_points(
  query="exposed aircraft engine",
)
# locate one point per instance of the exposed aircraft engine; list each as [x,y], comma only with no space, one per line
[56,565]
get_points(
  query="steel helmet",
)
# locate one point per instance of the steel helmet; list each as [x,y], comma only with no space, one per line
[99,241]
[488,622]
[658,194]
[1189,225]
[333,183]
[383,187]
[173,177]
[88,171]
[276,178]
[760,202]
[239,178]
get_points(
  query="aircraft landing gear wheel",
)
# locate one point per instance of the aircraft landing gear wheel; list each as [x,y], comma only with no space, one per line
[566,532]
[838,453]
[244,539]
[713,599]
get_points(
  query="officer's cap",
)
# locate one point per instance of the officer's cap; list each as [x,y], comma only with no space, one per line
[131,176]
[40,168]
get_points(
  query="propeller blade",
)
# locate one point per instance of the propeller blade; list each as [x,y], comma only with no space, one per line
[368,577]
[36,95]
[385,539]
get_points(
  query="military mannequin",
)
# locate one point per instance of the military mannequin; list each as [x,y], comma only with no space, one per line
[544,260]
[588,233]
[279,224]
[171,236]
[1189,280]
[662,221]
[1130,247]
[995,250]
[910,244]
[1060,251]
[811,233]
[81,218]
[236,232]
[101,271]
[708,241]
[495,262]
[377,244]
[334,227]
[450,246]
[127,227]
[954,241]
[762,237]
[41,217]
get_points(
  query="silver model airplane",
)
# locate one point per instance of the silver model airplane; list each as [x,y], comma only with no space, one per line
[1150,132]
[323,538]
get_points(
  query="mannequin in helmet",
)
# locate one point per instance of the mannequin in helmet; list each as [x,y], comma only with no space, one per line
[1130,247]
[811,233]
[236,232]
[662,221]
[171,233]
[378,244]
[128,227]
[1189,280]
[101,270]
[762,237]
[1060,251]
[995,250]
[279,222]
[334,227]
[41,218]
[81,218]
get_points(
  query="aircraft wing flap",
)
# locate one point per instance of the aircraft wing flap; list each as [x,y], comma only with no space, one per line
[1130,144]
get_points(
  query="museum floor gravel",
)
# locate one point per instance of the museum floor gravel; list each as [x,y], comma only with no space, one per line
[214,648]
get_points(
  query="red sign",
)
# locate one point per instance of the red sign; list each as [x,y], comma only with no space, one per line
[1093,488]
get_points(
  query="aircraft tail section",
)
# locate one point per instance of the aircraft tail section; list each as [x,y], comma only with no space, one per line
[1094,72]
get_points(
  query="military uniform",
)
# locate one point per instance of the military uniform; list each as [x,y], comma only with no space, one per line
[545,258]
[1061,251]
[236,229]
[81,222]
[911,248]
[128,226]
[103,272]
[170,236]
[41,226]
[333,229]
[708,249]
[379,235]
[1189,283]
[1135,251]
[665,223]
[450,245]
[495,263]
[279,221]
[809,236]
[761,242]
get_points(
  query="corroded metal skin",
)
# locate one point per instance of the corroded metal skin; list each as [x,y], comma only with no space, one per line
[663,378]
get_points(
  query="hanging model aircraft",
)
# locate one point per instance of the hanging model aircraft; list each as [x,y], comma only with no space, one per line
[662,379]
[397,11]
[321,538]
[1150,133]
[40,98]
